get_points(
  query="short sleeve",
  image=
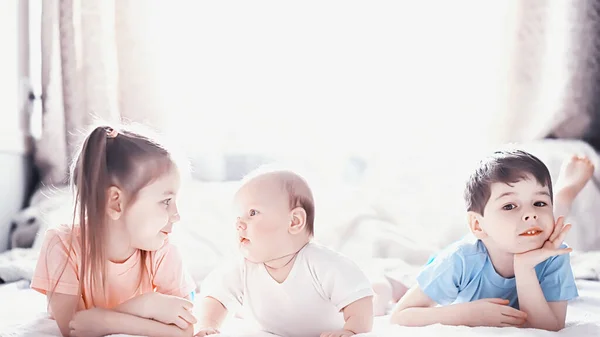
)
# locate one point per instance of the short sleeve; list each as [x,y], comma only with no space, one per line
[557,281]
[440,279]
[341,279]
[225,285]
[170,276]
[56,269]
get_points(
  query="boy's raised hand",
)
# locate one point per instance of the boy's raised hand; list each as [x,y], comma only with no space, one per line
[550,248]
[493,312]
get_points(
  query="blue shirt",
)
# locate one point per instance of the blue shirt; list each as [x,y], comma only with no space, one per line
[463,272]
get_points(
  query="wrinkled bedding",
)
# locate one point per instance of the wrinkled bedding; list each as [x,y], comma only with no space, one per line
[23,314]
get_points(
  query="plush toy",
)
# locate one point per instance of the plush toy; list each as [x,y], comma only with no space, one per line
[48,205]
[24,228]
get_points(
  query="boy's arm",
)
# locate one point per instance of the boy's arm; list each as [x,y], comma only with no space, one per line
[101,322]
[415,308]
[540,314]
[359,315]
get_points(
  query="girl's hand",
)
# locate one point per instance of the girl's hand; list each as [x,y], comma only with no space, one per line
[169,309]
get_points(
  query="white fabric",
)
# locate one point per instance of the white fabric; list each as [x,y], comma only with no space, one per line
[320,284]
[22,314]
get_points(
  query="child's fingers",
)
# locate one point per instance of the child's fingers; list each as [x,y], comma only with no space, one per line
[188,317]
[497,300]
[561,236]
[512,312]
[186,303]
[557,228]
[181,323]
[562,251]
[514,321]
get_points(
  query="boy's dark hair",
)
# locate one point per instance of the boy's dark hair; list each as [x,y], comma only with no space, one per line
[507,166]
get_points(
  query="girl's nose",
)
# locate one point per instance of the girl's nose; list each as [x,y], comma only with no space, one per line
[174,217]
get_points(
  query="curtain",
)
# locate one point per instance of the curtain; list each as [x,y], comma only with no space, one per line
[97,64]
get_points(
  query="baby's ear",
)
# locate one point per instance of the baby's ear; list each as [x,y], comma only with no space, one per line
[298,220]
[474,220]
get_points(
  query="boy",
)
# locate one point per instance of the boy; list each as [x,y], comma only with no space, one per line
[289,285]
[513,270]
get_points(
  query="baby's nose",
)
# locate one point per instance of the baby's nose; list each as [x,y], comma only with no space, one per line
[239,224]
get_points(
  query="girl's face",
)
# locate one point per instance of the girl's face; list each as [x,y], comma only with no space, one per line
[150,217]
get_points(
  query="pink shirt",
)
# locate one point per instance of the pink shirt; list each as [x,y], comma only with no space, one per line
[164,272]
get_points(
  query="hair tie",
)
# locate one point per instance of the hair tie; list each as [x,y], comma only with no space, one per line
[111,133]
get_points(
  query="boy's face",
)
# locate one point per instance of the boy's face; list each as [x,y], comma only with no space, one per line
[263,219]
[518,217]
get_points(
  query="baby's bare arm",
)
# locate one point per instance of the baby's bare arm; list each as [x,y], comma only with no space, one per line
[359,315]
[212,313]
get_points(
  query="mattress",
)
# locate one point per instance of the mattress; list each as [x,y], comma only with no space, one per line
[23,313]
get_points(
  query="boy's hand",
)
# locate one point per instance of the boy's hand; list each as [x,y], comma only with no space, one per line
[493,312]
[169,309]
[532,258]
[206,331]
[339,333]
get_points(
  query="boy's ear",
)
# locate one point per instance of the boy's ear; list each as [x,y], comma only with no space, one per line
[474,220]
[114,205]
[298,220]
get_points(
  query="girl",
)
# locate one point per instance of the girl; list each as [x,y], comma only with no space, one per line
[115,271]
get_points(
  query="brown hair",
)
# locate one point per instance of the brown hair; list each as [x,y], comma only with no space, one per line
[508,166]
[110,157]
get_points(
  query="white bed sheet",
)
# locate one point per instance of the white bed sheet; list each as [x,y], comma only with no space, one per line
[23,314]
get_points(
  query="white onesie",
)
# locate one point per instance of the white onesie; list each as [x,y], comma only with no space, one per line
[320,284]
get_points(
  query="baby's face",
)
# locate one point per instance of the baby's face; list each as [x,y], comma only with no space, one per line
[518,217]
[263,219]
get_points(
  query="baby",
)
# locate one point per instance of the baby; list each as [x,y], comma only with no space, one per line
[286,283]
[513,270]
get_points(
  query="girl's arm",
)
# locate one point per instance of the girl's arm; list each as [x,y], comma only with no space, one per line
[72,321]
[159,307]
[63,309]
[102,322]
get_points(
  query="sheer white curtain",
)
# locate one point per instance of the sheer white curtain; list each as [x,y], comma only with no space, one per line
[373,78]
[418,89]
